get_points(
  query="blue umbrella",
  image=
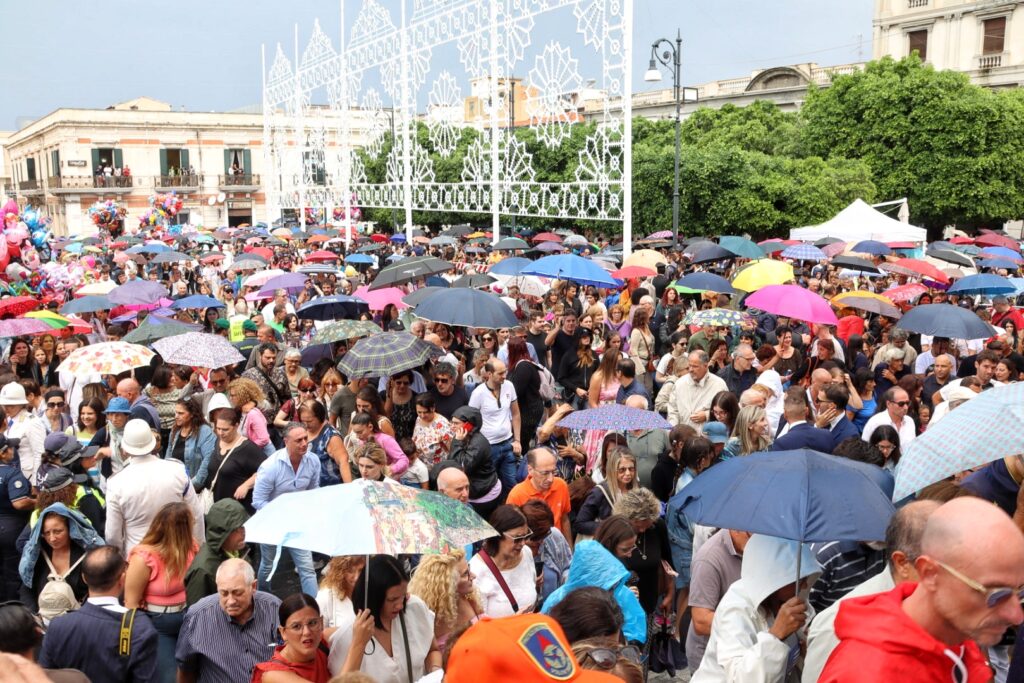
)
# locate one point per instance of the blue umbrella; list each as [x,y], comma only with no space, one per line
[998,263]
[510,266]
[572,267]
[398,238]
[871,247]
[137,292]
[355,259]
[1000,252]
[708,252]
[333,307]
[945,320]
[197,301]
[804,252]
[706,282]
[87,304]
[437,281]
[614,417]
[986,283]
[741,246]
[464,307]
[394,258]
[151,248]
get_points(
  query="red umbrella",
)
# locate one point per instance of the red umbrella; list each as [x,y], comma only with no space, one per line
[924,268]
[546,237]
[377,237]
[961,240]
[322,256]
[991,239]
[633,271]
[905,293]
[17,305]
[264,252]
[212,258]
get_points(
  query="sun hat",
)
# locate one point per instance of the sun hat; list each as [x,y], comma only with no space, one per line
[13,394]
[118,405]
[138,438]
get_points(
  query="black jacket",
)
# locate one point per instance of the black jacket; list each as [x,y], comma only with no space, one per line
[572,377]
[473,453]
[596,508]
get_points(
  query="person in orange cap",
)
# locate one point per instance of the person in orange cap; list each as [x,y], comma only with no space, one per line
[522,649]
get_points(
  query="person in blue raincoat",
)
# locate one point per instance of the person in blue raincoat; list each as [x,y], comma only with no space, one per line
[34,569]
[593,565]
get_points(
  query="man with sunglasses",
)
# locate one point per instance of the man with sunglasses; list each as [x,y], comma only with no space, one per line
[896,403]
[970,582]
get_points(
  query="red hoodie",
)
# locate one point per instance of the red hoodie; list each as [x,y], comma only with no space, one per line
[879,642]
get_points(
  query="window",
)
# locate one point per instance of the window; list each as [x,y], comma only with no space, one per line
[55,163]
[174,162]
[918,42]
[994,31]
[315,164]
[106,156]
[237,162]
[30,169]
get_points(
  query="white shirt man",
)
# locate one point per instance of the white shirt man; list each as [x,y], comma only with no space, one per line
[498,406]
[691,398]
[895,415]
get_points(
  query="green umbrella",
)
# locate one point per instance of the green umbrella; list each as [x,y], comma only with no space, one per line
[154,327]
[345,329]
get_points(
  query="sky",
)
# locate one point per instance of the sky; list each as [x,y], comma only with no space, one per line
[204,55]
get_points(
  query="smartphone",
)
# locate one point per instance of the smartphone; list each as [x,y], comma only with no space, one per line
[538,567]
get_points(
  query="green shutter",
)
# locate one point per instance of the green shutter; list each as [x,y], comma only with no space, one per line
[163,162]
[227,162]
[184,160]
[95,160]
[118,159]
[247,162]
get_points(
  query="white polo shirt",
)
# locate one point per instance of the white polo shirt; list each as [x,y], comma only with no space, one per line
[496,412]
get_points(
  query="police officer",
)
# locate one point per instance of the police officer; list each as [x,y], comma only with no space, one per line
[16,504]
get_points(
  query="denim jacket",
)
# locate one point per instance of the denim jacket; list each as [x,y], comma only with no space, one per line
[198,449]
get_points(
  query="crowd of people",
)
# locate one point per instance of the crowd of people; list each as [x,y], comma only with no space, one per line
[124,498]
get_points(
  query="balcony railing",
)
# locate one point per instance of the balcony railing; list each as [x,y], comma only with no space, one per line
[95,184]
[234,180]
[30,185]
[915,4]
[178,182]
[990,61]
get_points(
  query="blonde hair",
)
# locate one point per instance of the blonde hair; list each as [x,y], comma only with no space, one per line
[615,455]
[637,505]
[246,390]
[334,573]
[436,582]
[747,416]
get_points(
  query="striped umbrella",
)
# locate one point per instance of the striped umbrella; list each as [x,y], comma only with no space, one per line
[804,252]
[383,355]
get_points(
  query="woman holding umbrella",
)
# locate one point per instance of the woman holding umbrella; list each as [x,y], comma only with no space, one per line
[604,389]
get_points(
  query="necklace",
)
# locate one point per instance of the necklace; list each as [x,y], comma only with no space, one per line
[643,546]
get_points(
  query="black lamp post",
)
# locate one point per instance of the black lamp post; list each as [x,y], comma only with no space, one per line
[665,53]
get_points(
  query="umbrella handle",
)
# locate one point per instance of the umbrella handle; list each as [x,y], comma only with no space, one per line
[799,556]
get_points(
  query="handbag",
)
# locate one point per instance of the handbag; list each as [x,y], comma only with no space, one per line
[500,579]
[405,640]
[206,495]
[651,367]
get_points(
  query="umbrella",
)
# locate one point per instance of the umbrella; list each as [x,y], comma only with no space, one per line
[408,270]
[761,274]
[546,237]
[854,263]
[100,288]
[825,241]
[373,246]
[553,247]
[950,256]
[571,267]
[422,294]
[443,241]
[832,250]
[576,240]
[527,284]
[510,266]
[17,327]
[379,299]
[741,246]
[261,278]
[709,252]
[614,417]
[803,252]
[156,327]
[905,293]
[991,239]
[793,301]
[341,330]
[323,255]
[986,283]
[197,301]
[138,292]
[106,358]
[871,247]
[18,305]
[997,263]
[633,271]
[293,283]
[383,355]
[866,301]
[318,269]
[660,235]
[510,244]
[706,282]
[87,304]
[474,280]
[945,320]
[1001,252]
[988,427]
[332,307]
[920,268]
[465,307]
[358,259]
[645,258]
[721,317]
[381,517]
[171,257]
[198,349]
[248,262]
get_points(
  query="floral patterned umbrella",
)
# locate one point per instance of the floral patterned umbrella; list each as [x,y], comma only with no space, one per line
[107,358]
[198,349]
[721,317]
[614,417]
[345,329]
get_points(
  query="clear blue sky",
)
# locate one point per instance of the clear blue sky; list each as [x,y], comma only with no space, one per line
[205,54]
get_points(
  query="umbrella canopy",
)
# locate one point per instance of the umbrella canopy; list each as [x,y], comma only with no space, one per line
[950,256]
[546,237]
[198,349]
[803,252]
[171,257]
[106,358]
[871,247]
[465,307]
[332,307]
[905,293]
[793,301]
[408,270]
[379,299]
[866,301]
[645,258]
[552,247]
[945,320]
[101,288]
[633,271]
[421,295]
[293,283]
[571,267]
[87,304]
[854,263]
[197,301]
[322,256]
[921,269]
[741,246]
[510,266]
[710,252]
[706,282]
[156,327]
[18,305]
[991,239]
[997,263]
[614,417]
[138,292]
[383,355]
[510,244]
[444,241]
[721,317]
[381,517]
[988,427]
[985,283]
[761,274]
[1001,252]
[359,259]
[474,280]
[527,284]
[801,495]
[341,330]
[18,327]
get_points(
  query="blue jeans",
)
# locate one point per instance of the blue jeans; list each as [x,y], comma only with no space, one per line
[303,560]
[505,464]
[167,626]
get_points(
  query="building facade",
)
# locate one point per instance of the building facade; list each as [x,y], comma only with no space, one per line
[982,38]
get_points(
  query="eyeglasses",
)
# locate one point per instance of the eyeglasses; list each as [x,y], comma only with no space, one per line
[901,404]
[307,391]
[441,380]
[606,657]
[520,539]
[993,596]
[56,404]
[312,625]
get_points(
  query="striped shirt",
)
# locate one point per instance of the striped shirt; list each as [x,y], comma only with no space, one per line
[217,649]
[844,566]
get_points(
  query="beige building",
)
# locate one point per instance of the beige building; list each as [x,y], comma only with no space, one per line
[982,38]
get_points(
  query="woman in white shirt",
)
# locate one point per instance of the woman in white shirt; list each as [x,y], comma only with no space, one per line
[335,594]
[392,637]
[507,556]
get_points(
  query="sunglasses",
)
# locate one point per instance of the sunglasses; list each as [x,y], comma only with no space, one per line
[993,596]
[606,657]
[520,539]
[902,404]
[61,404]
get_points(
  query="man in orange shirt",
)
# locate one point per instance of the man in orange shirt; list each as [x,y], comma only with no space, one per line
[542,483]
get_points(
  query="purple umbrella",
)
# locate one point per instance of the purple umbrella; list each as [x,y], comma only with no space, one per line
[293,282]
[614,416]
[549,246]
[22,326]
[137,292]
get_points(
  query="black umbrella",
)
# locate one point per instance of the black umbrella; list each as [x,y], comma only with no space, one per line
[464,307]
[474,280]
[825,241]
[408,270]
[950,256]
[712,252]
[171,257]
[510,243]
[854,263]
[372,246]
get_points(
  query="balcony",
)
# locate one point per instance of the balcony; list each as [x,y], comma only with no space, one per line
[189,182]
[916,4]
[30,187]
[991,61]
[102,185]
[240,182]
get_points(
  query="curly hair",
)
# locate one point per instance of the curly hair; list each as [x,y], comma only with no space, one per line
[435,582]
[245,390]
[335,571]
[638,505]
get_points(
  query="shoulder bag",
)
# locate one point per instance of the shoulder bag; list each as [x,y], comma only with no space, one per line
[206,496]
[500,579]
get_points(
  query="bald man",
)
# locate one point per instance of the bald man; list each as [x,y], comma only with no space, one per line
[142,407]
[970,574]
[454,483]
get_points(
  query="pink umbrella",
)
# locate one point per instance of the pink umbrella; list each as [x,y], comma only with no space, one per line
[834,249]
[904,293]
[793,301]
[379,298]
[662,234]
[21,326]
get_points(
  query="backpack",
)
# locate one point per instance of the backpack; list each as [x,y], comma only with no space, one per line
[57,596]
[548,391]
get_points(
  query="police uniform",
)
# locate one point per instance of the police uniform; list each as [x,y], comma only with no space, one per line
[13,486]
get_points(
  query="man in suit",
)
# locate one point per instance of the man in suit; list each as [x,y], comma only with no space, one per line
[90,638]
[798,433]
[832,400]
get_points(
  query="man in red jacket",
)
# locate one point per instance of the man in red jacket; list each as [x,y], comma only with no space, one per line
[971,572]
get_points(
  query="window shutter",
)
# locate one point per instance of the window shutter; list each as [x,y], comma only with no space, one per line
[163,162]
[995,34]
[227,162]
[118,159]
[184,160]
[247,161]
[95,160]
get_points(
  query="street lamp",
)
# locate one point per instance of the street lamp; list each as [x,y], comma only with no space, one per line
[665,53]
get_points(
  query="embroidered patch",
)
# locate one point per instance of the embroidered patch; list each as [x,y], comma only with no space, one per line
[544,648]
[17,484]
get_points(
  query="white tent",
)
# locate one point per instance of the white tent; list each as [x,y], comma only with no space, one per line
[859,221]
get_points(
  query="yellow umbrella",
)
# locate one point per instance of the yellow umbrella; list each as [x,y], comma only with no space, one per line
[645,258]
[48,315]
[839,299]
[762,273]
[474,235]
[102,287]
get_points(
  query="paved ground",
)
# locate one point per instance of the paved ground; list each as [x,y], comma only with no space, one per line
[665,678]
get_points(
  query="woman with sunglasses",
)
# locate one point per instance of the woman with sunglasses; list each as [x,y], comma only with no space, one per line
[607,654]
[289,411]
[400,404]
[303,655]
[506,556]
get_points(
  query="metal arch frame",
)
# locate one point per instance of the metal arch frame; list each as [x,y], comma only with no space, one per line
[498,30]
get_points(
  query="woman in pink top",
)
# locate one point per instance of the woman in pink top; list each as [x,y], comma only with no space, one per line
[245,395]
[364,429]
[155,581]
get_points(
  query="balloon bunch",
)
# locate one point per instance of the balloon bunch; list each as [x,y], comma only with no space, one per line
[163,207]
[354,212]
[27,236]
[109,216]
[314,215]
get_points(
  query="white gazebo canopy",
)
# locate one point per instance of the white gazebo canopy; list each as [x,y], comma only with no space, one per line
[859,221]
